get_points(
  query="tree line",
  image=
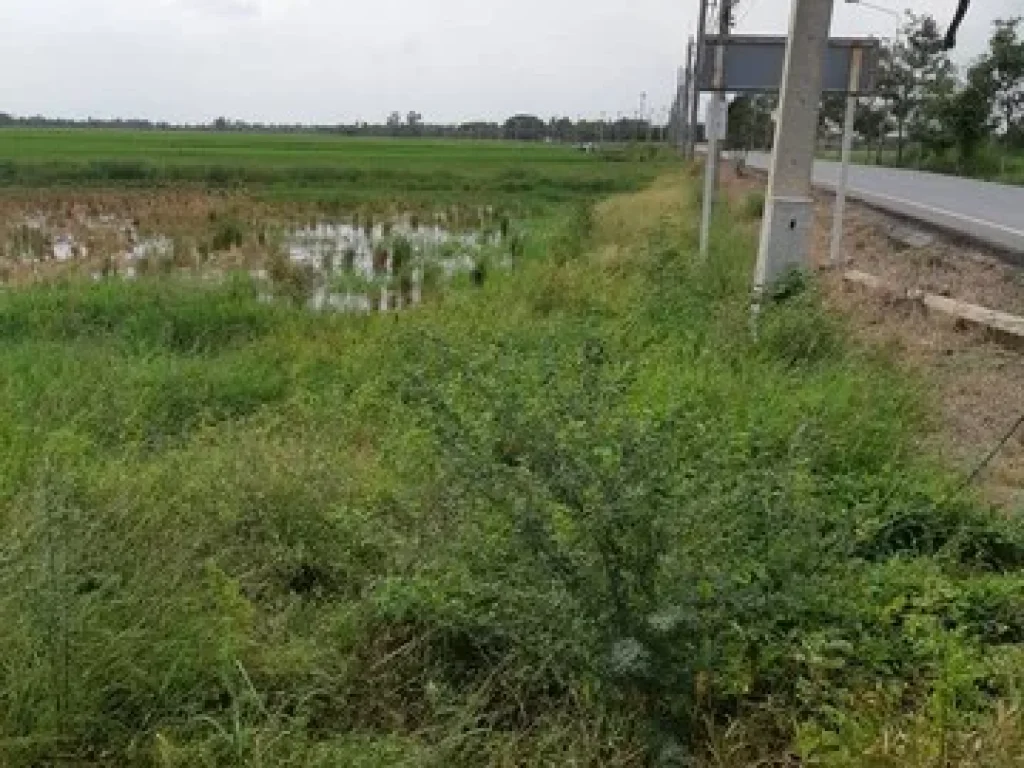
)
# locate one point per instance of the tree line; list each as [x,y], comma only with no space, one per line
[521,127]
[927,111]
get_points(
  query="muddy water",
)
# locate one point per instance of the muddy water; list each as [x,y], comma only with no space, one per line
[391,259]
[339,246]
[344,266]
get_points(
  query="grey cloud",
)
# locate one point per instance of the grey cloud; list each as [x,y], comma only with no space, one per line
[225,8]
[330,61]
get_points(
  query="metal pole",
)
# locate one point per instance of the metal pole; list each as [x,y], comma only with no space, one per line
[856,63]
[712,125]
[698,66]
[789,208]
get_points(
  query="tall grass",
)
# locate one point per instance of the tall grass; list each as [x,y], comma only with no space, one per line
[575,515]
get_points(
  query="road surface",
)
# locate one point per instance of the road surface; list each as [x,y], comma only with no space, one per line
[990,213]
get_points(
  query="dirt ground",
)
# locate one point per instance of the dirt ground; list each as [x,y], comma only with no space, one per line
[977,381]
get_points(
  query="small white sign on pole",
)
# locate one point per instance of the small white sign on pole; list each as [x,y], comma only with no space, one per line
[718,121]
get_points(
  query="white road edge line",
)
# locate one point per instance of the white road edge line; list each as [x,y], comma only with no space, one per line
[933,209]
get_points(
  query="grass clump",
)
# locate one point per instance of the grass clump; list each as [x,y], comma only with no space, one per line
[753,205]
[576,515]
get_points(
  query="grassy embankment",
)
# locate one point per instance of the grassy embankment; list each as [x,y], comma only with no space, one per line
[574,517]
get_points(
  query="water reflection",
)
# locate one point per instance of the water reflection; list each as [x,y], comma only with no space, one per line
[344,266]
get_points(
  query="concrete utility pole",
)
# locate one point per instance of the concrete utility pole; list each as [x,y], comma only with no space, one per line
[724,28]
[686,127]
[715,121]
[698,65]
[789,208]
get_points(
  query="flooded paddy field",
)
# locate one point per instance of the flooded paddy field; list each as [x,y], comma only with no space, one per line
[362,260]
[322,220]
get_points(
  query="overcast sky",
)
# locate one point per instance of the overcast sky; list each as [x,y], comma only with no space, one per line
[329,61]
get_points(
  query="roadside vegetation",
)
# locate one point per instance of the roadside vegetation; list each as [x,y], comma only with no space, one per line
[569,514]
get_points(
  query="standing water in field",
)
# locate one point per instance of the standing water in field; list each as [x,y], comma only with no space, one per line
[348,265]
[383,266]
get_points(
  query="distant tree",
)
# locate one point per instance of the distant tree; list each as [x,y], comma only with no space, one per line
[915,71]
[394,123]
[480,130]
[873,121]
[562,129]
[525,128]
[1000,72]
[832,114]
[750,122]
[968,121]
[221,124]
[935,116]
[414,122]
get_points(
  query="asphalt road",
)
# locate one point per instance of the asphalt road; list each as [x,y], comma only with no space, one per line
[990,213]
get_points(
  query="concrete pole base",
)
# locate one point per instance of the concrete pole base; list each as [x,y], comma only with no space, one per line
[785,239]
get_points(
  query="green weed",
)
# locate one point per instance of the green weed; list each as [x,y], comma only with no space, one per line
[577,515]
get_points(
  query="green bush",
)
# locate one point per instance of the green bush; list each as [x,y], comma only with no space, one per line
[228,234]
[753,205]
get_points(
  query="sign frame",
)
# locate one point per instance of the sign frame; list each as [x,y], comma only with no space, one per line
[754,64]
